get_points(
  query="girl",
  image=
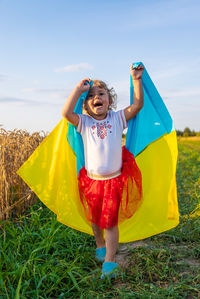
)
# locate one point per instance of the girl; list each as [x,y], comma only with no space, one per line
[110,183]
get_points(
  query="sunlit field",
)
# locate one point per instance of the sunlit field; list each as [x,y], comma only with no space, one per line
[42,258]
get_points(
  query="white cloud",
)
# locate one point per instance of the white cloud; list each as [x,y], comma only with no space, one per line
[36,82]
[74,68]
[184,92]
[44,90]
[28,90]
[3,77]
[179,69]
[27,102]
[18,101]
[168,73]
[58,94]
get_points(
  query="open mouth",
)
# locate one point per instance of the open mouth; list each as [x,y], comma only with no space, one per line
[98,104]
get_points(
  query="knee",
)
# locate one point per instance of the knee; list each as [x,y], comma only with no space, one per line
[113,228]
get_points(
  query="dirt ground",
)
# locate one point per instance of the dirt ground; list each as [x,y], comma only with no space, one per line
[123,252]
[125,249]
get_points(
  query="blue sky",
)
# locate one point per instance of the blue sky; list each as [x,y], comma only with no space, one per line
[47,47]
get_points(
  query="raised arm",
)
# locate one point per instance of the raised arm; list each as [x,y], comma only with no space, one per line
[68,108]
[138,96]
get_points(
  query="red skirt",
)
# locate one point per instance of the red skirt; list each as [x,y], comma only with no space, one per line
[111,201]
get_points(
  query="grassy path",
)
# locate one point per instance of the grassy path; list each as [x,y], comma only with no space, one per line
[41,258]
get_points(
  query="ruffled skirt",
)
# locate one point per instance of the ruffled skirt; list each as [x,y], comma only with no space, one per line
[111,201]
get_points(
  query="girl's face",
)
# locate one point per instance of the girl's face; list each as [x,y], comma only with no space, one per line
[97,102]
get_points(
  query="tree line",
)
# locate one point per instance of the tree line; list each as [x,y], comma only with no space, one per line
[187,132]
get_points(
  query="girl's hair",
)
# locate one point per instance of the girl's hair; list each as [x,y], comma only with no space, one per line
[111,94]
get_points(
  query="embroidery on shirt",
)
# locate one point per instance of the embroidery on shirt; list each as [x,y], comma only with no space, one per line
[102,129]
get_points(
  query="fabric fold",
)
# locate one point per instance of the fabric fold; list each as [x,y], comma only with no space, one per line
[52,170]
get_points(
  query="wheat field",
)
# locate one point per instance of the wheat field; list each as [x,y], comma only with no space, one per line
[15,148]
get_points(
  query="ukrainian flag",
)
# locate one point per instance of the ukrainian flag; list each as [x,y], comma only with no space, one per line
[51,171]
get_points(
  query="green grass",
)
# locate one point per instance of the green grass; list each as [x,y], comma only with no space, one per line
[41,258]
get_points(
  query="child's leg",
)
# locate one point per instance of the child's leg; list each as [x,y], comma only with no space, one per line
[98,234]
[112,239]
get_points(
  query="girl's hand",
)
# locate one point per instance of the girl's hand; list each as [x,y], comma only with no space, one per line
[83,85]
[137,72]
